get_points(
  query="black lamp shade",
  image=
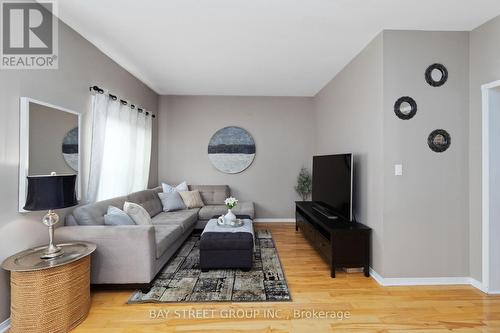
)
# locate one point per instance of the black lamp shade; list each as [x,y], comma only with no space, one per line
[51,192]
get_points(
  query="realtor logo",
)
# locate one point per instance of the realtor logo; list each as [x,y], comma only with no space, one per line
[29,35]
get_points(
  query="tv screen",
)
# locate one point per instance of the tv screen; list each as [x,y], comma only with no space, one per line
[332,184]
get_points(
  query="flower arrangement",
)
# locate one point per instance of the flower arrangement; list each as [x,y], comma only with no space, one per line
[231,202]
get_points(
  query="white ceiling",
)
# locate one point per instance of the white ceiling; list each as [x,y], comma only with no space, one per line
[253,47]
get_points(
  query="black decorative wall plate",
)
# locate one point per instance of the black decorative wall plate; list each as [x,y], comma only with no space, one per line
[436,75]
[439,140]
[405,108]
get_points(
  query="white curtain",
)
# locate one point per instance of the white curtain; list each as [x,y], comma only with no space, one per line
[120,150]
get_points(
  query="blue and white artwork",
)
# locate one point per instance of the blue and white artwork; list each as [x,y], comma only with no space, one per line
[231,149]
[70,149]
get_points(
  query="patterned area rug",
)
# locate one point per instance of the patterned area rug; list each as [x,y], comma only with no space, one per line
[181,280]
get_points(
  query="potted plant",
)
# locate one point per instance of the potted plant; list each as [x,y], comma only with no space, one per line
[304,184]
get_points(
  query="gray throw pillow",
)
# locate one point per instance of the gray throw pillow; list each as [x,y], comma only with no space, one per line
[116,216]
[171,201]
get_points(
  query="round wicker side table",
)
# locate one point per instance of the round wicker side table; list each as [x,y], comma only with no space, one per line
[50,295]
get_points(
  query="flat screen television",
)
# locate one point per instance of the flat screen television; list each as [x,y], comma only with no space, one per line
[332,186]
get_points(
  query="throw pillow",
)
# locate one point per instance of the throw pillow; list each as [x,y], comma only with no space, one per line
[116,216]
[171,201]
[179,188]
[137,213]
[192,199]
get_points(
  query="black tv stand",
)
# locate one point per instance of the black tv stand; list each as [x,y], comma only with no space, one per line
[342,244]
[322,210]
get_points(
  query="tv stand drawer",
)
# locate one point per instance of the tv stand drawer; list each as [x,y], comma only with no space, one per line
[315,238]
[323,246]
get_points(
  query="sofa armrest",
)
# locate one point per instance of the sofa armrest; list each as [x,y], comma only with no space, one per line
[124,255]
[245,208]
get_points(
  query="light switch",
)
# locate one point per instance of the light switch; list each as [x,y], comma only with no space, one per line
[398,169]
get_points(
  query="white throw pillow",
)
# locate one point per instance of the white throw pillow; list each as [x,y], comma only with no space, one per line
[179,188]
[137,213]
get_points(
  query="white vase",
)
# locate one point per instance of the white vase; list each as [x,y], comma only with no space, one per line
[230,218]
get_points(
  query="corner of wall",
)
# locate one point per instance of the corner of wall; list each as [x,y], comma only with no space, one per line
[352,102]
[484,53]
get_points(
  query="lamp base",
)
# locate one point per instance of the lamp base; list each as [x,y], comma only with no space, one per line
[52,251]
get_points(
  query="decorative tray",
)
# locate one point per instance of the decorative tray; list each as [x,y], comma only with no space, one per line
[29,260]
[236,224]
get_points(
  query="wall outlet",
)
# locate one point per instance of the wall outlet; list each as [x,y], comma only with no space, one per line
[398,169]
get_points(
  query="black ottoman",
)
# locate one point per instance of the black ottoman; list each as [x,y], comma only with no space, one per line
[220,250]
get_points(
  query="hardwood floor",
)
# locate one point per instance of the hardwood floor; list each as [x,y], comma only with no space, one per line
[364,305]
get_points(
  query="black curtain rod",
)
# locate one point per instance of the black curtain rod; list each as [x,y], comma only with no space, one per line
[124,102]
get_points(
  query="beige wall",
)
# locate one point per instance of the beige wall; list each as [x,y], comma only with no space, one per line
[349,118]
[352,113]
[282,128]
[484,68]
[419,220]
[426,209]
[80,65]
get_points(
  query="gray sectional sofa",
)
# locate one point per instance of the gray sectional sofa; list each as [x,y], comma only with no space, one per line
[134,254]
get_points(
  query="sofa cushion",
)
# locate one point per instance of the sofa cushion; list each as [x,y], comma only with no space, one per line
[209,211]
[148,199]
[93,214]
[185,218]
[212,194]
[166,235]
[171,201]
[243,208]
[70,220]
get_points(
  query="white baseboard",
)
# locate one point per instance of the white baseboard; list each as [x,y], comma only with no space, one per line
[376,277]
[4,326]
[479,285]
[275,220]
[425,281]
[494,292]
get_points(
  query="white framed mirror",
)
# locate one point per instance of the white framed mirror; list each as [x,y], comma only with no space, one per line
[50,141]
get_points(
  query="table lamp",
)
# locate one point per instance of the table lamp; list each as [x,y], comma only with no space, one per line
[48,193]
